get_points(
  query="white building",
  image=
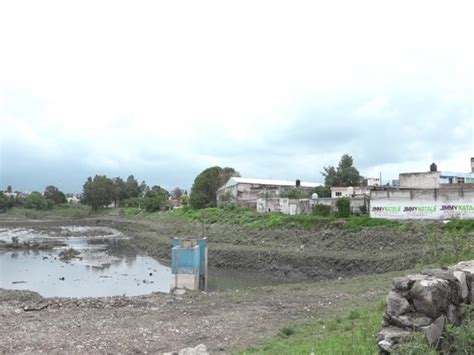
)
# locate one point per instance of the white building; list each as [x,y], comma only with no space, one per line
[244,192]
[348,191]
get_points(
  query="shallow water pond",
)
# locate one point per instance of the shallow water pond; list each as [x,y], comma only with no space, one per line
[100,268]
[102,263]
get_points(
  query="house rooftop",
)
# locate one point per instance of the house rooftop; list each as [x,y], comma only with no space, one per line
[240,180]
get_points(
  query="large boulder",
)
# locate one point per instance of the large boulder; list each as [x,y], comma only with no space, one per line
[431,296]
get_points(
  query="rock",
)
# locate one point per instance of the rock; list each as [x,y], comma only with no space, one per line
[390,336]
[402,283]
[430,296]
[385,345]
[461,276]
[396,304]
[198,350]
[433,332]
[411,320]
[178,291]
[455,314]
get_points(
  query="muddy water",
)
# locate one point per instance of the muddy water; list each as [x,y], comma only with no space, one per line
[107,265]
[102,267]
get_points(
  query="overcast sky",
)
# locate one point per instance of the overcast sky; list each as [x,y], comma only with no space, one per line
[163,90]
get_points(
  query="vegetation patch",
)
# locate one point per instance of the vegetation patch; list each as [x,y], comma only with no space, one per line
[245,217]
[456,340]
[353,333]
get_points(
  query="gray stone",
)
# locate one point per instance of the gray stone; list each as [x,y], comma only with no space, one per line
[430,296]
[391,335]
[198,350]
[396,304]
[412,320]
[466,266]
[461,276]
[402,283]
[385,345]
[455,314]
[433,332]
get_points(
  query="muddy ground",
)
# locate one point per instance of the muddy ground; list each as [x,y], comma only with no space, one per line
[224,321]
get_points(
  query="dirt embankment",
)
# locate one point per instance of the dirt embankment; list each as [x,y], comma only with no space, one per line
[295,253]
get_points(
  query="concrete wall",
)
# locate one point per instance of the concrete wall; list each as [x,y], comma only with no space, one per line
[428,180]
[426,302]
[305,206]
[285,205]
[422,204]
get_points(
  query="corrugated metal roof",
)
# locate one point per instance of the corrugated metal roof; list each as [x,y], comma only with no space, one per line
[240,180]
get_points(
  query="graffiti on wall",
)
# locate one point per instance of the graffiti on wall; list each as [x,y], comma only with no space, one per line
[412,210]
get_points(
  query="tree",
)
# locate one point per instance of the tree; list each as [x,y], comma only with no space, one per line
[345,174]
[343,205]
[118,190]
[143,188]
[206,184]
[9,189]
[323,191]
[176,193]
[37,201]
[132,189]
[3,203]
[156,199]
[53,193]
[98,192]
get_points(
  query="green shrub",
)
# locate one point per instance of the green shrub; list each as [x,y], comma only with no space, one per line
[343,205]
[36,201]
[294,193]
[321,210]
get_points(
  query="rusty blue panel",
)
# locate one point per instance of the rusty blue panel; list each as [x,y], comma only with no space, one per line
[185,260]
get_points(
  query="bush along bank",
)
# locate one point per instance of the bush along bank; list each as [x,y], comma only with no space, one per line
[430,302]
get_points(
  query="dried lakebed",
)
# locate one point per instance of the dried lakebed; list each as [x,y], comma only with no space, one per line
[227,320]
[72,261]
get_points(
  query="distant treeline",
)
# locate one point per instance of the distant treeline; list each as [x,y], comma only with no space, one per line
[101,191]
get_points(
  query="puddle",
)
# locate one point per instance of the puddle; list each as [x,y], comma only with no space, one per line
[105,265]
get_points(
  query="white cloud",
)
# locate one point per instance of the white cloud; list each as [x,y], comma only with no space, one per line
[121,84]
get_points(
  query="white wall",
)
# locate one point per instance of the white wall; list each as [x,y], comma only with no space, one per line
[422,204]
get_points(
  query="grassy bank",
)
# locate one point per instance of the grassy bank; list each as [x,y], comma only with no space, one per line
[353,333]
[244,217]
[61,211]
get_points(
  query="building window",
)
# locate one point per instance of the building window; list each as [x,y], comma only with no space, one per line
[460,180]
[338,193]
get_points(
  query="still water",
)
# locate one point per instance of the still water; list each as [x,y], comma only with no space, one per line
[102,268]
[107,265]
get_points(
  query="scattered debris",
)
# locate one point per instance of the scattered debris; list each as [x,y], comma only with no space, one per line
[69,254]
